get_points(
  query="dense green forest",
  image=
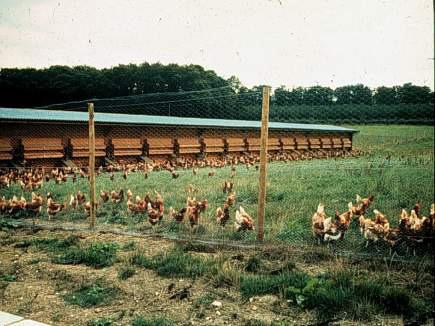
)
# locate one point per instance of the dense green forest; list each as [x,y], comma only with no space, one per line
[191,90]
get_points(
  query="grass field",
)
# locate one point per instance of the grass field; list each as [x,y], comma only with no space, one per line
[92,278]
[397,168]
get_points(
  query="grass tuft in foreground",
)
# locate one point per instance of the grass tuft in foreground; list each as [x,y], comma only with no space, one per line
[7,277]
[332,294]
[100,322]
[126,272]
[152,321]
[90,295]
[97,255]
[174,263]
[251,285]
[51,244]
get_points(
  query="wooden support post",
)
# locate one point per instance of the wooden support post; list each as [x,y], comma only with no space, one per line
[263,163]
[92,189]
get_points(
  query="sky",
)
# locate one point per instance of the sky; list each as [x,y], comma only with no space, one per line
[273,42]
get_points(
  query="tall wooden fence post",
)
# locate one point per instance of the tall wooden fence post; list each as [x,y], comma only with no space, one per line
[92,189]
[263,163]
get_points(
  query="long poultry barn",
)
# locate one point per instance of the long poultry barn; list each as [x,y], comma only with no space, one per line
[53,137]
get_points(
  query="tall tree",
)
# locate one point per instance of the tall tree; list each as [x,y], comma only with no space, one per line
[318,95]
[386,95]
[353,94]
[412,94]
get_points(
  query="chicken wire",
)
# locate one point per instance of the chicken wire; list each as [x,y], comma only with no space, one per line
[188,176]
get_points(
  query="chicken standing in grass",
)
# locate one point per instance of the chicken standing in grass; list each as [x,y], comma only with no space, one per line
[194,210]
[362,204]
[228,186]
[73,202]
[81,198]
[139,206]
[177,216]
[343,220]
[418,230]
[52,207]
[117,197]
[318,221]
[155,209]
[374,230]
[105,196]
[231,199]
[243,220]
[325,228]
[87,208]
[223,214]
[4,181]
[129,194]
[14,205]
[35,206]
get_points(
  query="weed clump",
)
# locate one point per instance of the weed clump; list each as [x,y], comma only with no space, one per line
[90,295]
[253,264]
[96,255]
[333,293]
[175,263]
[204,300]
[7,277]
[225,275]
[126,272]
[100,322]
[51,244]
[130,245]
[152,321]
[251,285]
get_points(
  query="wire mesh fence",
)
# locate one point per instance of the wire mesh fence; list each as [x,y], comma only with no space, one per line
[186,165]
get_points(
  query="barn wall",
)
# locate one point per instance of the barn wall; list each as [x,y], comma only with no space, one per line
[14,132]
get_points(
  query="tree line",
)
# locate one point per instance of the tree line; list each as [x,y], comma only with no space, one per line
[192,91]
[28,87]
[354,94]
[31,87]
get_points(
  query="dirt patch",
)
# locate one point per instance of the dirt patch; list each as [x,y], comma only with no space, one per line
[37,287]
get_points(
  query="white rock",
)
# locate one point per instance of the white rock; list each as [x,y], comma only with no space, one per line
[254,308]
[218,312]
[251,299]
[216,304]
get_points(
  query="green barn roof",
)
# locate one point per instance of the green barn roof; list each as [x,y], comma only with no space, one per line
[14,114]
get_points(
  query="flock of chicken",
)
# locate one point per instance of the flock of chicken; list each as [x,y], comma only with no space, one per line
[153,208]
[413,228]
[33,179]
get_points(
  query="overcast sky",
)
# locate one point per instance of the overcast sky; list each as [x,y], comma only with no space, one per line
[287,42]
